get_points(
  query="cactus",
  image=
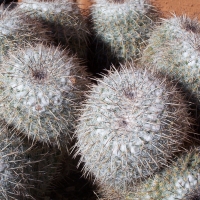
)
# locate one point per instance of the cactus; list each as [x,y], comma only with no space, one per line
[17,29]
[180,181]
[26,168]
[123,25]
[65,20]
[131,125]
[174,49]
[40,88]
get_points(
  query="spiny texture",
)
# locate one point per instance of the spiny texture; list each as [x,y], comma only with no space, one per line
[25,168]
[40,87]
[132,123]
[122,25]
[65,20]
[177,182]
[16,29]
[174,49]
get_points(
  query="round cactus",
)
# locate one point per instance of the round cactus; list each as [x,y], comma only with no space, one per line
[131,125]
[26,168]
[123,25]
[65,20]
[40,87]
[180,181]
[174,49]
[17,29]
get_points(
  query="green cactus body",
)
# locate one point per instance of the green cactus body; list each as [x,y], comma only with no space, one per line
[17,29]
[180,181]
[174,49]
[122,25]
[40,87]
[131,125]
[26,172]
[65,20]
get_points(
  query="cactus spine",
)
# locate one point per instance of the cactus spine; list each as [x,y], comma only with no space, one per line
[123,25]
[65,20]
[40,87]
[132,124]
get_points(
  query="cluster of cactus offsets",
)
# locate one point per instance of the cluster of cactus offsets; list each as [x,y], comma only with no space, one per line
[17,29]
[40,88]
[25,169]
[124,27]
[180,181]
[131,125]
[65,20]
[174,49]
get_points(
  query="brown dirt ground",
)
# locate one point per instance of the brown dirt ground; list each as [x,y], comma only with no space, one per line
[179,7]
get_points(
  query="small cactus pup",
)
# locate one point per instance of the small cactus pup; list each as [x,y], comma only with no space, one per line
[65,20]
[174,49]
[131,125]
[40,88]
[26,168]
[179,181]
[123,25]
[17,29]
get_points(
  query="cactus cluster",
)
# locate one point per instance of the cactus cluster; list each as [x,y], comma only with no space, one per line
[64,19]
[124,27]
[131,125]
[130,130]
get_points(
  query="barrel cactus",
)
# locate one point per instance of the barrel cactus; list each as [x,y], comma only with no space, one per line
[17,29]
[123,25]
[131,125]
[26,167]
[40,88]
[64,19]
[174,49]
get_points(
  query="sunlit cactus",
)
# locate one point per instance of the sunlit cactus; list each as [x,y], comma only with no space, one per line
[132,123]
[40,88]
